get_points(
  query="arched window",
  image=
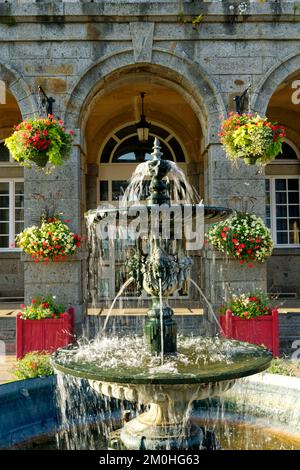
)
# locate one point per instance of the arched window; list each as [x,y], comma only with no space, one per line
[124,148]
[282,197]
[289,152]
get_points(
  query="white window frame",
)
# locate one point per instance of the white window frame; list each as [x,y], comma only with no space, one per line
[273,218]
[12,235]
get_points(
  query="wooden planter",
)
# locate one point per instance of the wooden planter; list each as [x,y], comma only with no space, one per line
[44,335]
[260,330]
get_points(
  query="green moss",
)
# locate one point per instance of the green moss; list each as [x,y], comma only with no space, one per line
[8,21]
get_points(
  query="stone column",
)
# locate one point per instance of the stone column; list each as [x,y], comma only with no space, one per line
[240,187]
[91,185]
[61,190]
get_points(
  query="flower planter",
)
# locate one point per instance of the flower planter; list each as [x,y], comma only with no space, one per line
[260,330]
[48,334]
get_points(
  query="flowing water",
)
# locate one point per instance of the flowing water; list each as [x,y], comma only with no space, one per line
[181,188]
[209,306]
[121,291]
[161,323]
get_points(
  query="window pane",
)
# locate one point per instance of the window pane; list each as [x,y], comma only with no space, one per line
[281,211]
[4,215]
[19,227]
[282,238]
[293,184]
[118,188]
[103,187]
[104,288]
[294,223]
[294,198]
[19,215]
[267,182]
[268,222]
[4,153]
[281,224]
[4,201]
[4,228]
[19,201]
[294,237]
[294,211]
[4,188]
[19,188]
[4,242]
[268,212]
[281,198]
[280,184]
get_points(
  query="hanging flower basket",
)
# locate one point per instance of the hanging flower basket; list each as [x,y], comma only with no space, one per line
[40,143]
[252,138]
[242,236]
[51,241]
[250,318]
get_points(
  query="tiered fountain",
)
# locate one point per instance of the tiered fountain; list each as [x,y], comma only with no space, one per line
[161,371]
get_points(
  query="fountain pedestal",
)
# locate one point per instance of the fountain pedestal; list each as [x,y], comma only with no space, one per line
[152,330]
[166,424]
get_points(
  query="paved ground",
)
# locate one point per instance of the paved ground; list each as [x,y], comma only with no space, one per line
[6,364]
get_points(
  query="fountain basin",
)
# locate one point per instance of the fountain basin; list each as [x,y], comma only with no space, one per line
[124,369]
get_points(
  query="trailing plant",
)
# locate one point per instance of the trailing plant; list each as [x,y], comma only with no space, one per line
[32,365]
[51,241]
[251,137]
[242,236]
[43,143]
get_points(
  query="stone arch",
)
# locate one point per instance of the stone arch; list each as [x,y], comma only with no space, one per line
[269,83]
[199,89]
[19,88]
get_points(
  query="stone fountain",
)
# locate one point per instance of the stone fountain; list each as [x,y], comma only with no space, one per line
[162,372]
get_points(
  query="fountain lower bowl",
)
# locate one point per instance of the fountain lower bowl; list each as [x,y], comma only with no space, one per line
[122,368]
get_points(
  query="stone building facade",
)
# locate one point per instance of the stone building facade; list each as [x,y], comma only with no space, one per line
[191,58]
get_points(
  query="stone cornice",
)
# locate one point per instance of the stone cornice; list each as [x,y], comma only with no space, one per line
[232,11]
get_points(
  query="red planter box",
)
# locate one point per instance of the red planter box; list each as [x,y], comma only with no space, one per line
[260,330]
[44,335]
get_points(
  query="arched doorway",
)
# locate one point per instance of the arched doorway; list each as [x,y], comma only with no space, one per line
[11,204]
[283,194]
[113,149]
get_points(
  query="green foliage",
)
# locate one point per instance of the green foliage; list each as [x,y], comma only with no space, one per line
[32,365]
[283,367]
[43,143]
[42,307]
[197,20]
[246,136]
[9,21]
